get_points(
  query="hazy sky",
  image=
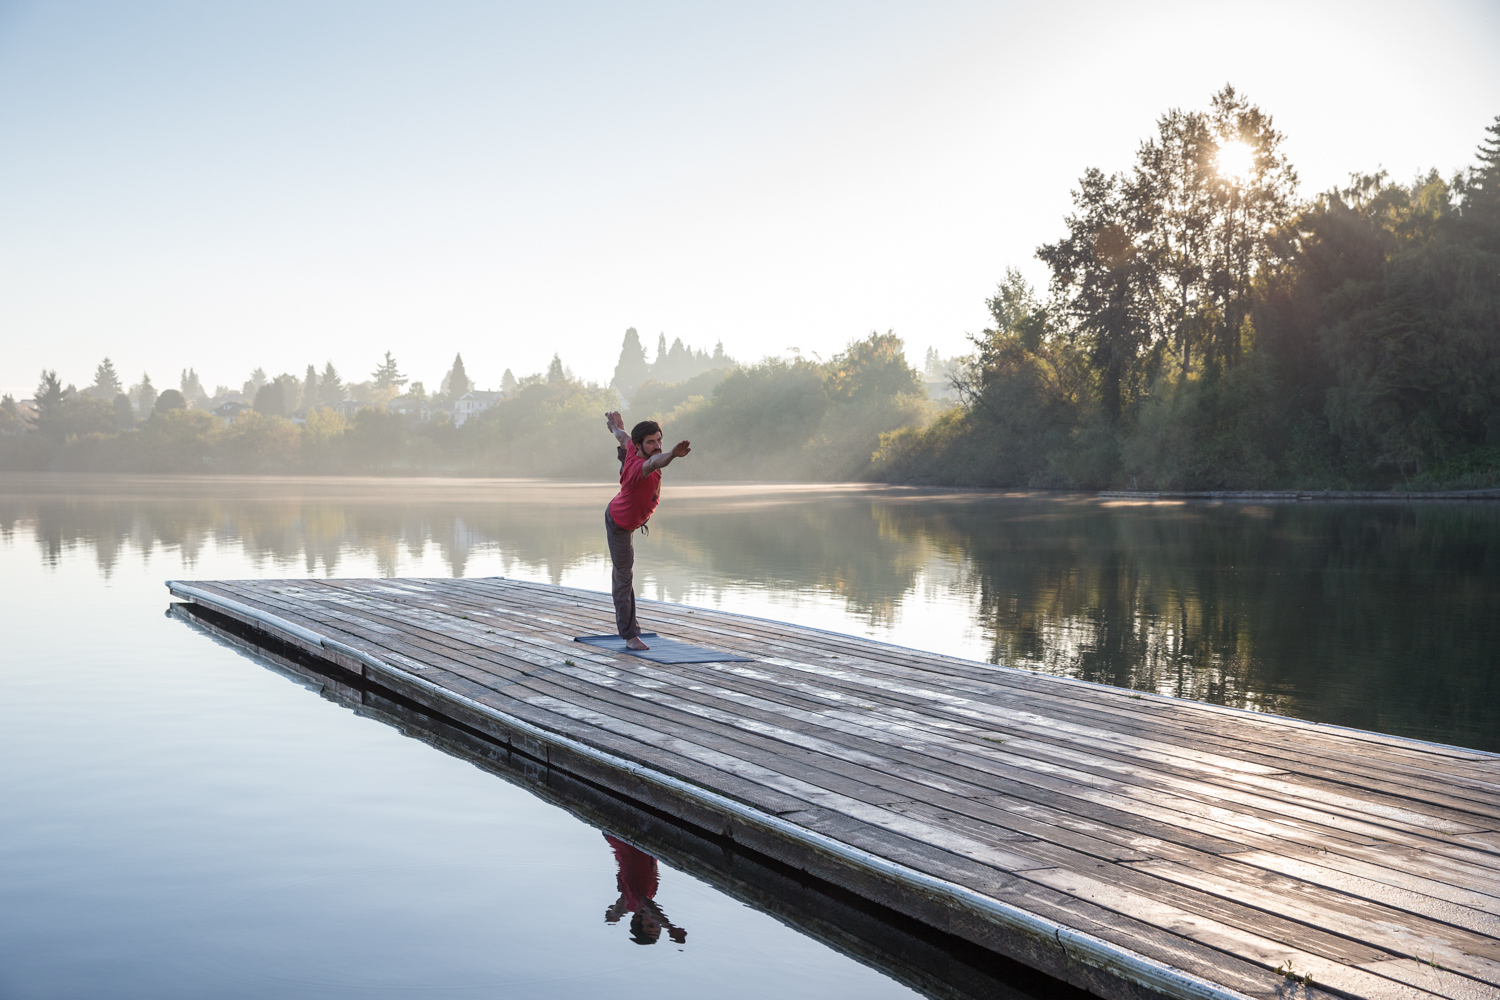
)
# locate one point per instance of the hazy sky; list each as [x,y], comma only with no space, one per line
[230,185]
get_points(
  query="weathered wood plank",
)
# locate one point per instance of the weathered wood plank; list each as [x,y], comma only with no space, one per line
[1222,843]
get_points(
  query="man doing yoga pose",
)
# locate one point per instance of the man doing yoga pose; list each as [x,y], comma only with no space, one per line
[641,462]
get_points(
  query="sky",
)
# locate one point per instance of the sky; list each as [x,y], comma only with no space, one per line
[234,185]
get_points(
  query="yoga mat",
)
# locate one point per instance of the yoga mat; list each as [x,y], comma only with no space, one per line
[662,650]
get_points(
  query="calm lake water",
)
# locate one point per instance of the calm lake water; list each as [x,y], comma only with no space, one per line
[180,820]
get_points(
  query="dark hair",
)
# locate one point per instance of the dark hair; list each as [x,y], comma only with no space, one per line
[640,933]
[639,433]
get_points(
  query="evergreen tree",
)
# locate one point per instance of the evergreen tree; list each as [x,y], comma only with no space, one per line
[661,351]
[310,394]
[508,383]
[253,383]
[417,391]
[556,375]
[386,376]
[1481,192]
[144,395]
[269,400]
[291,393]
[124,413]
[456,382]
[10,415]
[191,388]
[330,387]
[631,370]
[49,394]
[106,382]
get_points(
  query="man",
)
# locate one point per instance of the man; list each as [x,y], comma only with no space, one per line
[641,462]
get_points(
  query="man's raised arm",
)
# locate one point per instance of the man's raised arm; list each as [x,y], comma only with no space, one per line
[616,425]
[663,458]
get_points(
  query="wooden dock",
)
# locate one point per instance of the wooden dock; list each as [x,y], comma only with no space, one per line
[1127,844]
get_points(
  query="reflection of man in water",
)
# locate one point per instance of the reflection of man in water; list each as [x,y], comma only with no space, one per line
[637,881]
[641,462]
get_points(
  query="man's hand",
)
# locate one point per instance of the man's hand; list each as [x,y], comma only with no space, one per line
[616,425]
[662,459]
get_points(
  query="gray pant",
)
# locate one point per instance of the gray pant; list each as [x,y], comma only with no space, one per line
[622,554]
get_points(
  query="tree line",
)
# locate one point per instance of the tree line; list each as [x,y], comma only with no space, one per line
[1203,328]
[778,419]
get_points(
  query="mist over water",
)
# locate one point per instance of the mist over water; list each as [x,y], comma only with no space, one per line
[1380,616]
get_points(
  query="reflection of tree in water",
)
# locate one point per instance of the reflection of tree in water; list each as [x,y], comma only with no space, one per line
[1378,616]
[834,545]
[318,534]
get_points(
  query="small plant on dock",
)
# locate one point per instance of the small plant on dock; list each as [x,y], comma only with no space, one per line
[569,663]
[1286,971]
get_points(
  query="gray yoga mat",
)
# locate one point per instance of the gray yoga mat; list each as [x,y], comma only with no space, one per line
[662,650]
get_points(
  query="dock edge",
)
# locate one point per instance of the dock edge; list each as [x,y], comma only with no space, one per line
[1075,945]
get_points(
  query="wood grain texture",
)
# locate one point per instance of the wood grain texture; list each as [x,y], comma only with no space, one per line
[1220,842]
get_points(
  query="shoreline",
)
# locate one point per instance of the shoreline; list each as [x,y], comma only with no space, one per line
[1295,496]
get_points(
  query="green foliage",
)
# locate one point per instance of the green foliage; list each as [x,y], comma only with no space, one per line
[386,375]
[143,394]
[192,388]
[1205,332]
[871,368]
[124,412]
[330,387]
[375,438]
[631,370]
[1210,433]
[548,428]
[172,400]
[10,416]
[654,400]
[106,380]
[311,391]
[258,442]
[175,440]
[798,419]
[456,382]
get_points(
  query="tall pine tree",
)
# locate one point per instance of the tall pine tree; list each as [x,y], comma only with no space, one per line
[106,382]
[631,370]
[191,388]
[457,381]
[330,386]
[386,376]
[144,395]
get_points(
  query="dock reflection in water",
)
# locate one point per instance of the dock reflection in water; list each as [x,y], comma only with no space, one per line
[928,961]
[1377,616]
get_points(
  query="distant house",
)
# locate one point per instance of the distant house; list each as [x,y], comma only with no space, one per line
[348,408]
[473,403]
[406,406]
[228,411]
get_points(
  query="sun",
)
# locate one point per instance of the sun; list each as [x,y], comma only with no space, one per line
[1236,160]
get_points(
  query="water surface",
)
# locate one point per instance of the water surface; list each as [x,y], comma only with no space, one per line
[180,821]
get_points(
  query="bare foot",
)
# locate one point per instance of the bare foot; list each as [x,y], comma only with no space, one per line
[634,642]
